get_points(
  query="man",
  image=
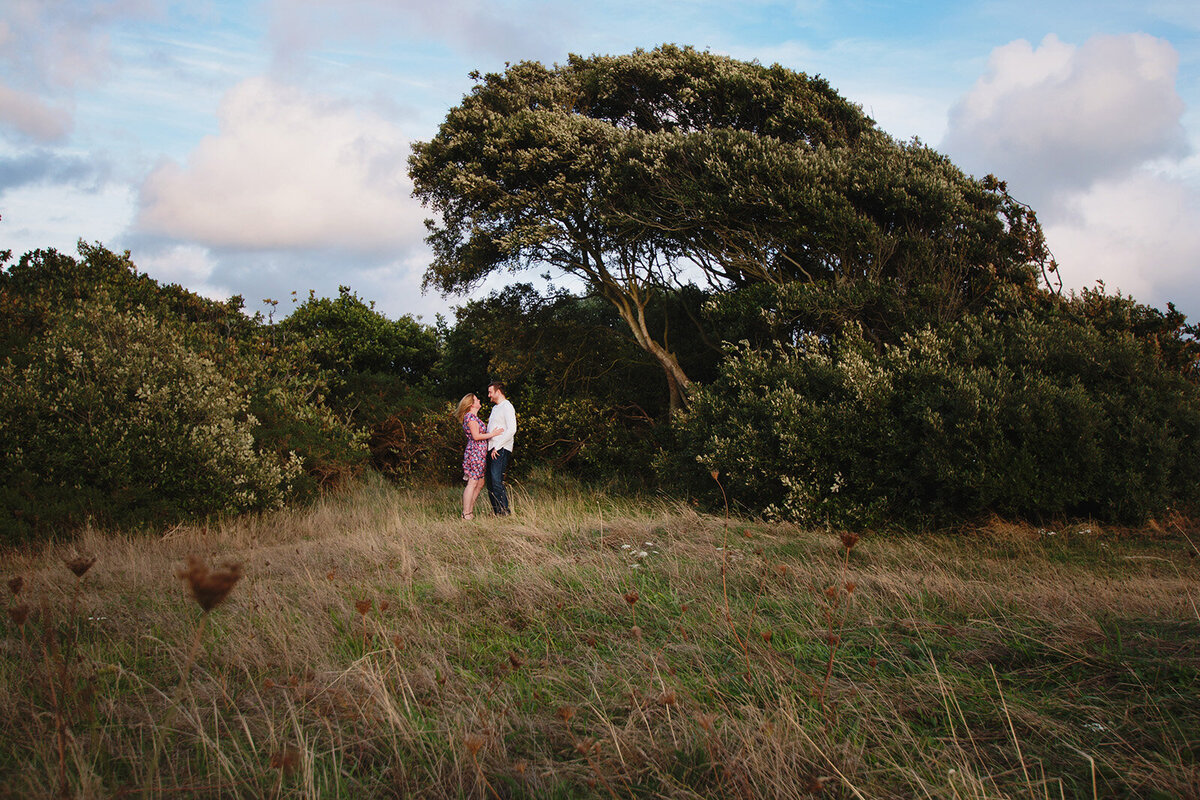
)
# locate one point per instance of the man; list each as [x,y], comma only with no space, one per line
[500,447]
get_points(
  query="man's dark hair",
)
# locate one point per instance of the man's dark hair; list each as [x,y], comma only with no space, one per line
[499,385]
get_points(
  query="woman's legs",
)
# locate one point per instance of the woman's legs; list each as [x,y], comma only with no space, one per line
[470,493]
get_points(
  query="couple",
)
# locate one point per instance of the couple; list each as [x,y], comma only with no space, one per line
[488,452]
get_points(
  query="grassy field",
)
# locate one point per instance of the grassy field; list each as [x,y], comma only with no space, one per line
[377,646]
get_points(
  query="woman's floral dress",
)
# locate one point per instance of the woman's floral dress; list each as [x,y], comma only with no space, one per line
[475,456]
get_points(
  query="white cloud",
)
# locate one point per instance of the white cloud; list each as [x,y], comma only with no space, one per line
[31,116]
[515,29]
[1092,137]
[1057,117]
[48,50]
[45,214]
[1140,235]
[190,266]
[287,170]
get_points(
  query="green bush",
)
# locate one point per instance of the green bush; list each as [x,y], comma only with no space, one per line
[1021,415]
[112,416]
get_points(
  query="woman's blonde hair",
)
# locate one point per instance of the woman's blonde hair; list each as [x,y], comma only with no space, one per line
[464,406]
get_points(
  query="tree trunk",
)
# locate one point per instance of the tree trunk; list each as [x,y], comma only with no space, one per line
[677,379]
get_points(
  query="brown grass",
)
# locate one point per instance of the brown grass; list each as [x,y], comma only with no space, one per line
[377,645]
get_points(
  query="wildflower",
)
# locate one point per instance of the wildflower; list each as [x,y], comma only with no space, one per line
[849,539]
[15,585]
[286,759]
[565,713]
[474,743]
[209,587]
[631,597]
[79,564]
[362,606]
[19,614]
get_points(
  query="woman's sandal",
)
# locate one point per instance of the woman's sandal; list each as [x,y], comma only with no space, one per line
[469,516]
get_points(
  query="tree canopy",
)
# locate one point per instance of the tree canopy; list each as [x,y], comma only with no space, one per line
[627,171]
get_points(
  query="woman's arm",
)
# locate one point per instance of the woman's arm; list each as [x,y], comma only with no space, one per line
[479,437]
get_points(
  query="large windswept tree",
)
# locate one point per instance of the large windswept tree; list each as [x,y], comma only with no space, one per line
[625,170]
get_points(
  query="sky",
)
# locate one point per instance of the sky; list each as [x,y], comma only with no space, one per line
[259,147]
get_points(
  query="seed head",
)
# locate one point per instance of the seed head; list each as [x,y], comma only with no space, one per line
[19,614]
[565,713]
[474,744]
[516,660]
[849,539]
[15,585]
[286,759]
[631,597]
[209,587]
[79,564]
[362,606]
[707,721]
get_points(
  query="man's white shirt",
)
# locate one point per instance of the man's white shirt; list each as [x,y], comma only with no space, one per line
[503,416]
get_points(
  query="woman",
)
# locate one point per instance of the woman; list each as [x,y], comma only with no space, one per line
[475,456]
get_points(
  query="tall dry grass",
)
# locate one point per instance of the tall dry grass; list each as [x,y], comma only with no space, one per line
[376,646]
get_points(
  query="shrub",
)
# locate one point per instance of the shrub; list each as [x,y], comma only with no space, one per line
[1022,415]
[112,415]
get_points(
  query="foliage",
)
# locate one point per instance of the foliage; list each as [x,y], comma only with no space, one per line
[278,386]
[379,372]
[622,170]
[587,399]
[346,335]
[112,415]
[1033,415]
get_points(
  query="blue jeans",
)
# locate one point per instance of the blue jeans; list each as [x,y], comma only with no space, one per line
[497,466]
